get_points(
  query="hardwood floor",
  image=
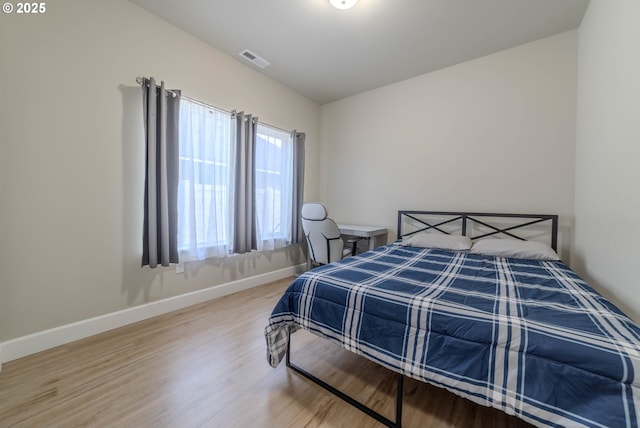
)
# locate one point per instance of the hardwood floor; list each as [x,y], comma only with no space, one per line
[205,366]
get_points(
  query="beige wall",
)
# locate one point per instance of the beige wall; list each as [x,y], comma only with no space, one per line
[494,134]
[607,201]
[72,158]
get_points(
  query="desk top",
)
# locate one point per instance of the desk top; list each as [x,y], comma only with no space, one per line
[361,230]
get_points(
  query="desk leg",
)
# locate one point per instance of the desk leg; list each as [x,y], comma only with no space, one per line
[372,242]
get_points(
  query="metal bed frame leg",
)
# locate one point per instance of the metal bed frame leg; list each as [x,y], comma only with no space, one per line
[369,411]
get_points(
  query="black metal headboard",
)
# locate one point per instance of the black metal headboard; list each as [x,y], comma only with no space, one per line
[465,223]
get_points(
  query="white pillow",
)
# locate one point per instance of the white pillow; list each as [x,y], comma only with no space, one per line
[533,250]
[441,241]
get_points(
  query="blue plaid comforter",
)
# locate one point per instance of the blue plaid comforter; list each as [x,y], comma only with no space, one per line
[527,337]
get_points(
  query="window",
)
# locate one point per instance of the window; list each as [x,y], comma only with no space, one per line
[205,181]
[205,193]
[274,186]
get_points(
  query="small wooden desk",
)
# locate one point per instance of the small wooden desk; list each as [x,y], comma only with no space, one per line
[369,232]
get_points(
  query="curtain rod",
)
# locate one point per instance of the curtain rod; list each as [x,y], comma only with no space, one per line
[140,80]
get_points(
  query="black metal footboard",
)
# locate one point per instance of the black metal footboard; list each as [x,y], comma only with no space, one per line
[369,411]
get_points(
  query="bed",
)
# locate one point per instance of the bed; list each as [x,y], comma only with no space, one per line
[517,330]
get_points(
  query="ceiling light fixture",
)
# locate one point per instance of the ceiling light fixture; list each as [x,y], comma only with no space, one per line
[343,4]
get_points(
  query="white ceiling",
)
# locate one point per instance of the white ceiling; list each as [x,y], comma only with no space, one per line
[328,54]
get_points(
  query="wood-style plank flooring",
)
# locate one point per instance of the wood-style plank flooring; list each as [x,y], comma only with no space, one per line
[205,366]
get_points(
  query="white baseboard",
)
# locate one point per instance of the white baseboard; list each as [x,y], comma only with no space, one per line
[36,342]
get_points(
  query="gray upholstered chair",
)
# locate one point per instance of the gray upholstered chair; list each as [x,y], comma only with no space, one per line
[323,236]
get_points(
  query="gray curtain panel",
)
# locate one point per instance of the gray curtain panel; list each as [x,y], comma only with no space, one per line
[297,234]
[243,136]
[161,119]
